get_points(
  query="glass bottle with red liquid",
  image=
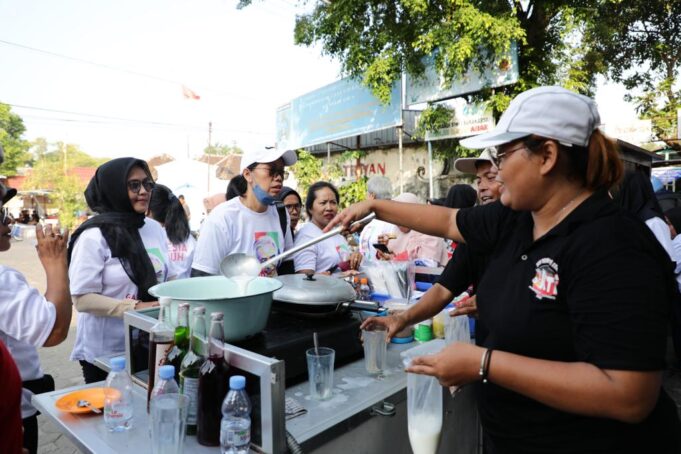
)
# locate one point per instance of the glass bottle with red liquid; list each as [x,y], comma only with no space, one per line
[213,385]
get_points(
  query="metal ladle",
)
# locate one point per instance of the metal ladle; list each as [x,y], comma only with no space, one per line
[240,264]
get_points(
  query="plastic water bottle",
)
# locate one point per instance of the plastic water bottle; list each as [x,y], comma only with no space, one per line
[365,290]
[235,429]
[118,402]
[166,383]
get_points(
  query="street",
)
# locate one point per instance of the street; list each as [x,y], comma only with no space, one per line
[55,360]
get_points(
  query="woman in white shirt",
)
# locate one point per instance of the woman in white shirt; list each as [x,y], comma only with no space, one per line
[251,223]
[29,320]
[114,258]
[165,208]
[333,253]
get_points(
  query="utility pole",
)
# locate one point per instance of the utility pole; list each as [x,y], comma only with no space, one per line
[210,132]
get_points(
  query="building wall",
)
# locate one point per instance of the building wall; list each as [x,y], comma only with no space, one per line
[386,162]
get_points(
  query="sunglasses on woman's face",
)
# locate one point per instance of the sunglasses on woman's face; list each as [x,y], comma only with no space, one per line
[136,185]
[274,171]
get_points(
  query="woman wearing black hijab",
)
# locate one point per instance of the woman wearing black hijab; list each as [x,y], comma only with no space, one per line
[114,258]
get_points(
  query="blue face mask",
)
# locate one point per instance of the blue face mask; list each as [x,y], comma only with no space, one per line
[263,196]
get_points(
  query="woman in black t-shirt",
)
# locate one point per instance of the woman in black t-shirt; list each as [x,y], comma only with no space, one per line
[575,295]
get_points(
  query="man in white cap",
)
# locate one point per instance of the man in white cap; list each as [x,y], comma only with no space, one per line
[487,185]
[251,223]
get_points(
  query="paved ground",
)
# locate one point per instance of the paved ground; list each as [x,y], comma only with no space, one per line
[55,360]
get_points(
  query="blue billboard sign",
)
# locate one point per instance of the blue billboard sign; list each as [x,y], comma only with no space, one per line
[431,87]
[342,109]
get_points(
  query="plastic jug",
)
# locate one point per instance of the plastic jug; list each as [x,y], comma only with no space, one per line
[424,402]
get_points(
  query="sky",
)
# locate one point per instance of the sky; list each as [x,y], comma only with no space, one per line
[242,63]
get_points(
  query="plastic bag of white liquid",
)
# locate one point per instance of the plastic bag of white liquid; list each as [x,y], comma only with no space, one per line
[424,402]
[457,329]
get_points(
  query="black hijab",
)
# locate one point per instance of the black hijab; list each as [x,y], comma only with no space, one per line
[286,191]
[636,196]
[107,195]
[460,196]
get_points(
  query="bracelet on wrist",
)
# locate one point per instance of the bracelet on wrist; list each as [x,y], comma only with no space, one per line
[484,364]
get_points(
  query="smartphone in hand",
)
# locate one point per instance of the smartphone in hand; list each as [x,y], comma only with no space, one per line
[381,247]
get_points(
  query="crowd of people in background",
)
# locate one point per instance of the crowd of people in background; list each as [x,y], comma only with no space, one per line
[572,267]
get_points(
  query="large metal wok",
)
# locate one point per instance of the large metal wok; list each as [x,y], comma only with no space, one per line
[318,295]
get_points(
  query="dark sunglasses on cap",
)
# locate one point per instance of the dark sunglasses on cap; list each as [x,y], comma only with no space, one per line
[136,185]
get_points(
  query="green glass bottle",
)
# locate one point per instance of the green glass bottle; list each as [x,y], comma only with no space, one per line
[192,362]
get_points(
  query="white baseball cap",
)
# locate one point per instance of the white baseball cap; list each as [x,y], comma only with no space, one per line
[267,154]
[469,165]
[551,112]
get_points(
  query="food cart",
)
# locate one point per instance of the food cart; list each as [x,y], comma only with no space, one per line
[364,414]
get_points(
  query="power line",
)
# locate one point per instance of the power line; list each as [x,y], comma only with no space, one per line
[91,115]
[128,125]
[123,70]
[127,120]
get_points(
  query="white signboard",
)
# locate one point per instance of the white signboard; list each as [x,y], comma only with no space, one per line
[468,120]
[633,131]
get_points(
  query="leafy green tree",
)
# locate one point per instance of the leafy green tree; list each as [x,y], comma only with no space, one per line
[223,150]
[16,149]
[68,155]
[51,171]
[307,170]
[353,192]
[376,41]
[639,41]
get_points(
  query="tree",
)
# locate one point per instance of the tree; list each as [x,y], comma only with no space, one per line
[223,150]
[51,172]
[16,149]
[640,43]
[376,41]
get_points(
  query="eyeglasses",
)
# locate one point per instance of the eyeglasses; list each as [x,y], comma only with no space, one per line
[274,171]
[498,158]
[294,206]
[136,185]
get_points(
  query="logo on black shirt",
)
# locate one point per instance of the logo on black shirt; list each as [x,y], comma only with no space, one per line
[545,281]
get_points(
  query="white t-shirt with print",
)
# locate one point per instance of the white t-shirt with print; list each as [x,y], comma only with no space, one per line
[232,227]
[93,270]
[370,234]
[322,256]
[181,256]
[26,321]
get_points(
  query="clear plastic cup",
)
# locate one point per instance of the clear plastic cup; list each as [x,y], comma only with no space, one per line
[320,372]
[375,349]
[168,422]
